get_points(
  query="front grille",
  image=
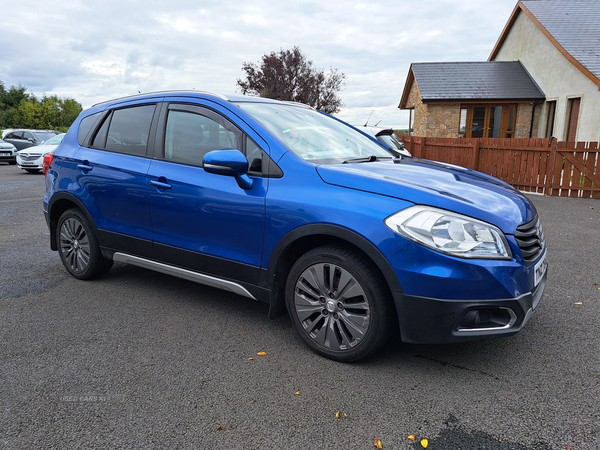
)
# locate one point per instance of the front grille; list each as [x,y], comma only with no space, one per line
[30,157]
[531,240]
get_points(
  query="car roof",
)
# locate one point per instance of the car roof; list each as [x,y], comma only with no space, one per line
[197,94]
[32,130]
[376,130]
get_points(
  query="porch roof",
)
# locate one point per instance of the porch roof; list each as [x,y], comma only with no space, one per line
[472,81]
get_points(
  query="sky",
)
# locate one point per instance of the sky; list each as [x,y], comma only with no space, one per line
[97,51]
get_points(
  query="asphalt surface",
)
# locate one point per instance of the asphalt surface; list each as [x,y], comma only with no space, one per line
[138,359]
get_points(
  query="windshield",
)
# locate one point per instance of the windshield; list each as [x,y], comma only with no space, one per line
[44,135]
[55,140]
[314,136]
[391,140]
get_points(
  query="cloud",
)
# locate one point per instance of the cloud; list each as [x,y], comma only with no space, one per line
[94,51]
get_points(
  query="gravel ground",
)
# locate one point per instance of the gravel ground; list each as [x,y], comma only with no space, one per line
[143,360]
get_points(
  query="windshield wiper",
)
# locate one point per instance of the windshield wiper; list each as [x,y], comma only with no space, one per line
[371,158]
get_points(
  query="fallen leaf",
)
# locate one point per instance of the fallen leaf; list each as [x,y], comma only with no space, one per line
[412,437]
[297,393]
[337,415]
[345,415]
[424,443]
[579,303]
[377,443]
[250,359]
[261,353]
[220,427]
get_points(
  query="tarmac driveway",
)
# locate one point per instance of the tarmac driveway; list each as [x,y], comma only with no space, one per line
[143,360]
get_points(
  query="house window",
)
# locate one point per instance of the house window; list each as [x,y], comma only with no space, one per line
[462,125]
[489,121]
[509,132]
[572,118]
[550,118]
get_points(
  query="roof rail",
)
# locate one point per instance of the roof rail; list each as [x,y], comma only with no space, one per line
[222,97]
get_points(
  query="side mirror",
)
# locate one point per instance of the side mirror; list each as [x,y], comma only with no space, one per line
[231,163]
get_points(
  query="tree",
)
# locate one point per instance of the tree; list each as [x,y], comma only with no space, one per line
[18,109]
[288,75]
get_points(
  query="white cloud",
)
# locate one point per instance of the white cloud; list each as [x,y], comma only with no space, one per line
[94,51]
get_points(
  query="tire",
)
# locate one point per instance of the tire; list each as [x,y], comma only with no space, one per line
[12,163]
[339,303]
[78,246]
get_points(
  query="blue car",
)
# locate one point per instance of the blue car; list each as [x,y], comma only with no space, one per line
[283,204]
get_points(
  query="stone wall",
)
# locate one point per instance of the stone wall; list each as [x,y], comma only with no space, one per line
[433,120]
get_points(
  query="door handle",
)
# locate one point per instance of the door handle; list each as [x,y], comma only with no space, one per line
[160,184]
[85,167]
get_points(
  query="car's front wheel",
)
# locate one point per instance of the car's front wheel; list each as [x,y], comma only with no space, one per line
[339,303]
[78,246]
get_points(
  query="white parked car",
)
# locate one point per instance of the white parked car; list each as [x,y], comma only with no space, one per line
[387,136]
[8,152]
[31,159]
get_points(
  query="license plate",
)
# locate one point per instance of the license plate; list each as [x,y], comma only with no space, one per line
[28,164]
[4,154]
[540,269]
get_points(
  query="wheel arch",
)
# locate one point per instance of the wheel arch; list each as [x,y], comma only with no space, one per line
[303,239]
[60,203]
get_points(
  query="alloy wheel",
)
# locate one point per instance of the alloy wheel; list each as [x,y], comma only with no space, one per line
[332,306]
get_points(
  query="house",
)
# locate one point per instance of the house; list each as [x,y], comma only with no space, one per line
[557,43]
[471,99]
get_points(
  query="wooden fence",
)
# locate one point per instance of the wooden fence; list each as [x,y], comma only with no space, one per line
[543,166]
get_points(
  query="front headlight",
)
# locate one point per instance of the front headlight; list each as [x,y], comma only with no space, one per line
[449,232]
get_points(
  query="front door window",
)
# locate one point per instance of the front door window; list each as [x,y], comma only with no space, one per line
[478,124]
[490,121]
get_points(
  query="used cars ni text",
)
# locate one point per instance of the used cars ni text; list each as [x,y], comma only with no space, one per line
[286,205]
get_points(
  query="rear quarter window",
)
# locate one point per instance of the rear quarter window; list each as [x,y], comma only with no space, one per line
[85,126]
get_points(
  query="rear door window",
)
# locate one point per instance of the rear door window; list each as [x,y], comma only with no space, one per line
[126,130]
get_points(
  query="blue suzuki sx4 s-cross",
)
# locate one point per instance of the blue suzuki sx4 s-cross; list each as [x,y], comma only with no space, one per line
[283,204]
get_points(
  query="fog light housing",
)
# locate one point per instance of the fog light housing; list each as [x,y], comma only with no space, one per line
[486,319]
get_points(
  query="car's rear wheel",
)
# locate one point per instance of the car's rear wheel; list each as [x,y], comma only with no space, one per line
[78,246]
[339,303]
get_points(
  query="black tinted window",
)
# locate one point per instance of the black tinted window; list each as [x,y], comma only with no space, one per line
[126,130]
[85,126]
[255,156]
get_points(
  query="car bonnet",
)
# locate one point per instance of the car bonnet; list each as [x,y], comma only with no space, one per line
[436,184]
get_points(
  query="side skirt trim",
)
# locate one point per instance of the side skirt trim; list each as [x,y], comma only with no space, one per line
[183,273]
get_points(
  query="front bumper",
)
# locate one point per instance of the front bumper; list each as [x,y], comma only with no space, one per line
[436,321]
[36,162]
